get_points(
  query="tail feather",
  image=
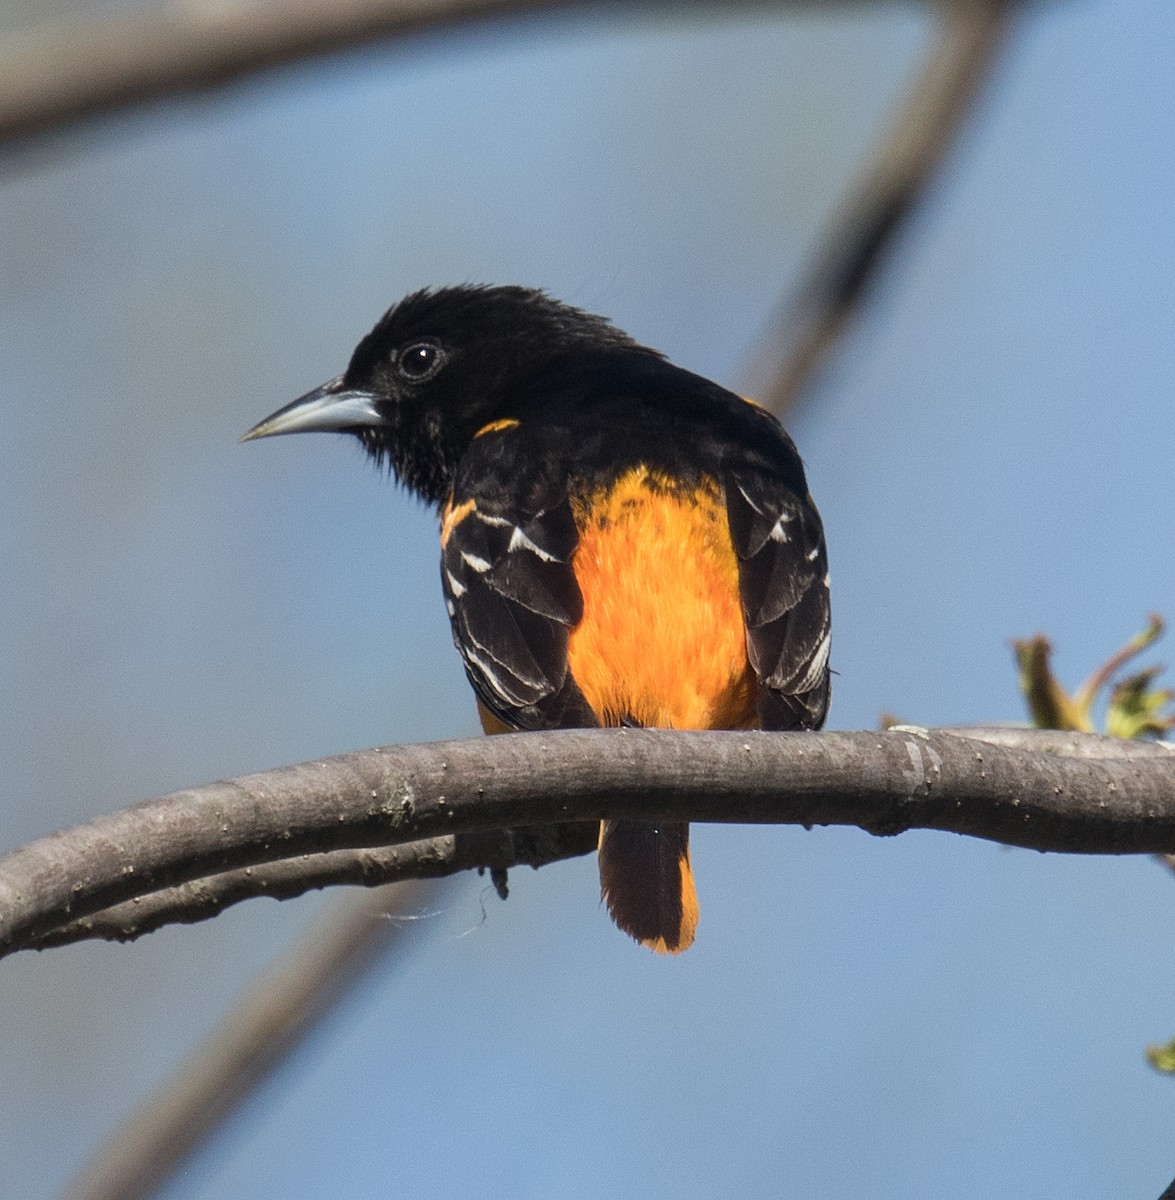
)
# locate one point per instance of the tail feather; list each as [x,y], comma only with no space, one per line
[647,882]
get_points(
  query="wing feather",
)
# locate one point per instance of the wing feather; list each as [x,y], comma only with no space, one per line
[509,586]
[783,580]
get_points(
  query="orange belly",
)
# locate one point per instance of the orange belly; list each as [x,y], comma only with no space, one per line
[662,641]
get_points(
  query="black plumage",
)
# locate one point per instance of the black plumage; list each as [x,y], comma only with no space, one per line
[522,420]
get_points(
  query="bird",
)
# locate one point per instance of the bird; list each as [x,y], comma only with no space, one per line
[623,543]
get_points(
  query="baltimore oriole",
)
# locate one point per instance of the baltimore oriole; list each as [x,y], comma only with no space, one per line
[622,542]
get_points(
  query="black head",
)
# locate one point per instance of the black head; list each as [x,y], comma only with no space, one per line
[442,364]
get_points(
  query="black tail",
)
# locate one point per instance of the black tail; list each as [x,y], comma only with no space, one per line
[647,883]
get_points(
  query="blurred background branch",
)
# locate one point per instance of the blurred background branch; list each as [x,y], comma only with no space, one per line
[58,73]
[877,208]
[253,1038]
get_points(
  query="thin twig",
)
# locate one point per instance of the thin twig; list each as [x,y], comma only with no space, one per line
[883,782]
[881,201]
[1087,693]
[249,1043]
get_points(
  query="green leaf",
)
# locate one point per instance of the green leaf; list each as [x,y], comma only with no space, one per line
[1162,1058]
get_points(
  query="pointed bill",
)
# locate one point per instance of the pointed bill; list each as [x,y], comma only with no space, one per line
[331,408]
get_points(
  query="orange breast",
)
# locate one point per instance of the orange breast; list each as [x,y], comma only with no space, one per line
[662,641]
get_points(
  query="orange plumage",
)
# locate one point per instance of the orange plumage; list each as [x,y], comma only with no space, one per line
[662,641]
[661,644]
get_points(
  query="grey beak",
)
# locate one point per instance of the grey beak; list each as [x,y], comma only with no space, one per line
[331,408]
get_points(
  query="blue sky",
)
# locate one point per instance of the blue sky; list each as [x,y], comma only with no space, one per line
[990,449]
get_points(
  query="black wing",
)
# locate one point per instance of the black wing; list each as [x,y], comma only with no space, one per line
[507,539]
[783,578]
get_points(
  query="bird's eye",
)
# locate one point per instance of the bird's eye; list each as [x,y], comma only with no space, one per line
[420,361]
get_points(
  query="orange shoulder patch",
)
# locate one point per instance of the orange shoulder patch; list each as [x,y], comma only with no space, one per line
[497,426]
[452,515]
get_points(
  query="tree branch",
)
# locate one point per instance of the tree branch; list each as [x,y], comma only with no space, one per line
[905,162]
[494,850]
[434,858]
[1027,794]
